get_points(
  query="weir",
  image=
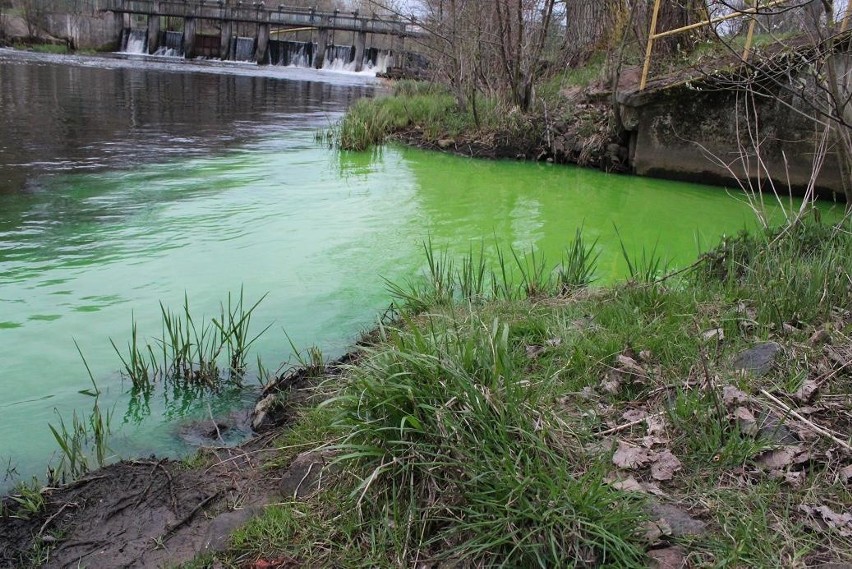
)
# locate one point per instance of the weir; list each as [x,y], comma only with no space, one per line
[243,31]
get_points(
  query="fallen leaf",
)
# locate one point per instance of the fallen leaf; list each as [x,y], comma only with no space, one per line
[612,385]
[840,522]
[806,392]
[646,356]
[553,342]
[534,351]
[634,415]
[734,396]
[628,456]
[656,425]
[715,333]
[746,421]
[628,365]
[665,466]
[846,473]
[629,484]
[783,457]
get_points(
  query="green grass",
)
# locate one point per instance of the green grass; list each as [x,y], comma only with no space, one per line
[477,430]
[432,110]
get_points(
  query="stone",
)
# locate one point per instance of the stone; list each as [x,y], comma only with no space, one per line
[218,536]
[303,475]
[759,359]
[667,558]
[678,520]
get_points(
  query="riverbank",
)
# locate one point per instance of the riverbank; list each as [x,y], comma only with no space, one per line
[571,127]
[520,417]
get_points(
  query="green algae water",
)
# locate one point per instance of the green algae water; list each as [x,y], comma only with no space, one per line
[125,185]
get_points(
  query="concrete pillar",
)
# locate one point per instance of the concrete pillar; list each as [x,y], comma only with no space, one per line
[153,29]
[189,37]
[262,43]
[360,47]
[225,36]
[322,46]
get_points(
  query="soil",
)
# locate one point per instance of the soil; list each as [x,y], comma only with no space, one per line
[154,513]
[586,139]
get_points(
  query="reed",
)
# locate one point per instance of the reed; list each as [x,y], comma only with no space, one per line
[193,351]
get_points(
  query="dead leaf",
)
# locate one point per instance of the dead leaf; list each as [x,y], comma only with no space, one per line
[746,421]
[553,342]
[846,473]
[534,351]
[783,457]
[840,522]
[806,392]
[734,396]
[629,484]
[656,425]
[628,456]
[646,356]
[634,415]
[665,466]
[612,385]
[628,365]
[716,333]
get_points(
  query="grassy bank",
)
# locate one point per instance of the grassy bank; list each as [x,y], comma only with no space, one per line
[515,417]
[562,128]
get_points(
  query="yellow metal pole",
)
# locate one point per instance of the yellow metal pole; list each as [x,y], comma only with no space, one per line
[731,16]
[288,30]
[750,37]
[651,37]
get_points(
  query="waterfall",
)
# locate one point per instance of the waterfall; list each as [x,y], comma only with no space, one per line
[291,53]
[340,58]
[171,45]
[377,60]
[243,49]
[134,41]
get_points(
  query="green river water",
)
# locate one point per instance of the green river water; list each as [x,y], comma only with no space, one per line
[199,181]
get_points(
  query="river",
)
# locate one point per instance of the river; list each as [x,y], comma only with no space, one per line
[130,182]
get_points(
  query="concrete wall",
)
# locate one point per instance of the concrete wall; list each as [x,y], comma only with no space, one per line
[85,31]
[702,135]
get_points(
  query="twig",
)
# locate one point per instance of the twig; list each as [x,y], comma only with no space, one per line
[630,424]
[816,428]
[53,517]
[190,515]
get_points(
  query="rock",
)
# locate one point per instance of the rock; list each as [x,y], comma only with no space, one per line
[445,143]
[303,475]
[759,359]
[680,522]
[772,429]
[218,536]
[667,558]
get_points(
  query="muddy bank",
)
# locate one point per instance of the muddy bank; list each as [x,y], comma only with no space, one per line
[161,512]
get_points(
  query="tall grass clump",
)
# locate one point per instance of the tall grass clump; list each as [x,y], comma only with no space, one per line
[448,436]
[475,278]
[793,275]
[191,351]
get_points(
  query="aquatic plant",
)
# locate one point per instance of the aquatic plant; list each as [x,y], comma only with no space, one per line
[192,351]
[84,439]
